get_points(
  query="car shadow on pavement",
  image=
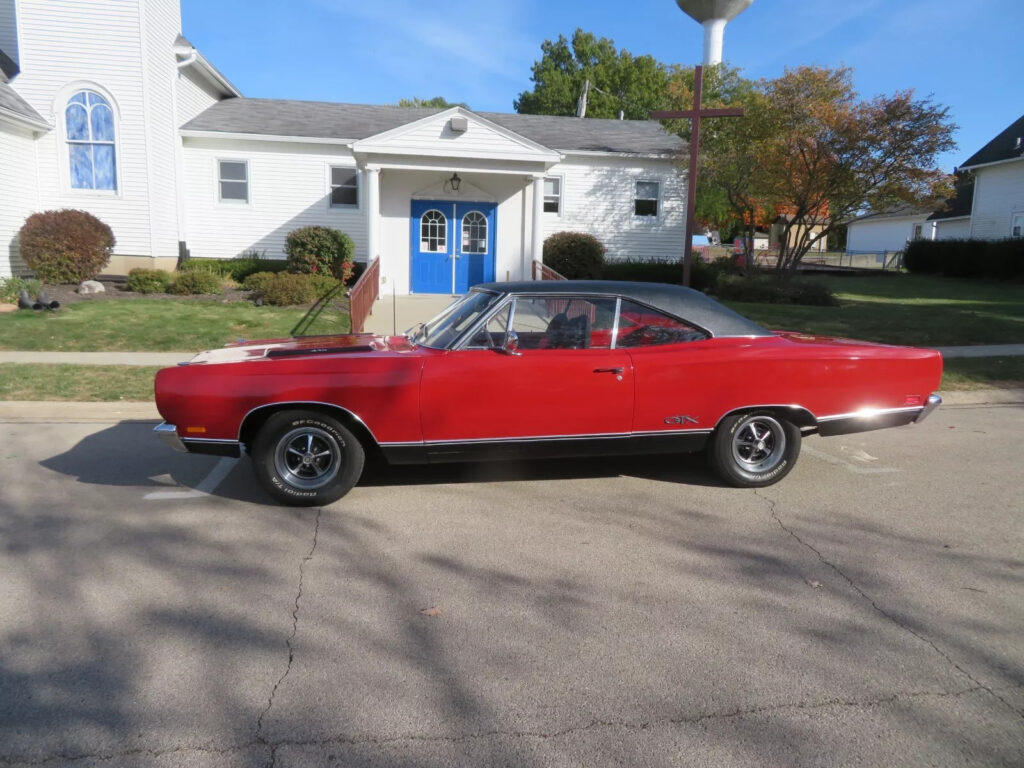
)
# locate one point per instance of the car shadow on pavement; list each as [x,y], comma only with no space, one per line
[127,454]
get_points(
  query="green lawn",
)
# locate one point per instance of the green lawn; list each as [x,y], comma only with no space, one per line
[906,309]
[152,325]
[75,382]
[982,372]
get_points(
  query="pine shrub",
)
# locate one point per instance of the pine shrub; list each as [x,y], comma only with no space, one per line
[286,289]
[148,281]
[575,255]
[65,246]
[237,269]
[196,283]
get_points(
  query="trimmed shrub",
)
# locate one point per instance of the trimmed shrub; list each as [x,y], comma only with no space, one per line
[148,281]
[195,283]
[768,290]
[970,259]
[320,251]
[285,289]
[575,255]
[65,246]
[10,286]
[702,275]
[236,269]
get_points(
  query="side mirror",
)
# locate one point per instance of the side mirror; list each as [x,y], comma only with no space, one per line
[511,345]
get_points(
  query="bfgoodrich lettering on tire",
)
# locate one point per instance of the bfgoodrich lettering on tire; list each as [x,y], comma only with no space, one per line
[306,459]
[754,449]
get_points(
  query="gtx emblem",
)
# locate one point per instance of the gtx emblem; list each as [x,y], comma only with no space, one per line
[681,420]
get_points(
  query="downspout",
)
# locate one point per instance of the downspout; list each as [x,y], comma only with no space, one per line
[188,59]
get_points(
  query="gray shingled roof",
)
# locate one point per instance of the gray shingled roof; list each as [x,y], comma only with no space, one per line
[896,212]
[959,204]
[316,119]
[1008,145]
[10,101]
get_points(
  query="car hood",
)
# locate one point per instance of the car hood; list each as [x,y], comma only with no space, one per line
[304,346]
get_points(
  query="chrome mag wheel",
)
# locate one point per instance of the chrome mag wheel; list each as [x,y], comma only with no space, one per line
[308,457]
[759,444]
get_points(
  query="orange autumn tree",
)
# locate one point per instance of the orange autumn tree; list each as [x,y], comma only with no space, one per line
[831,156]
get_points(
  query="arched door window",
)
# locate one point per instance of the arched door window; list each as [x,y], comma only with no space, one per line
[433,232]
[92,148]
[474,233]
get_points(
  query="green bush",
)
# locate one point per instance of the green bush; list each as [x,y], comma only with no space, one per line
[194,283]
[320,251]
[11,286]
[237,269]
[148,281]
[65,246]
[971,259]
[702,274]
[768,290]
[285,289]
[575,255]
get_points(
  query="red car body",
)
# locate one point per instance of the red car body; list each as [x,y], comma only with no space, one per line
[416,403]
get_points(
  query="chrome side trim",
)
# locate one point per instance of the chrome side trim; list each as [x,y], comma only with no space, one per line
[552,438]
[209,440]
[934,401]
[790,406]
[868,413]
[303,402]
[168,433]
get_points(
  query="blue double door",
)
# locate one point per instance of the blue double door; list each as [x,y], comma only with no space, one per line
[451,245]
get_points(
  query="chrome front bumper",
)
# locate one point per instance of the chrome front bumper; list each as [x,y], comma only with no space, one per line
[934,401]
[169,434]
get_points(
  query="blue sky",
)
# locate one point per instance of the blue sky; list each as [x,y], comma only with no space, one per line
[967,55]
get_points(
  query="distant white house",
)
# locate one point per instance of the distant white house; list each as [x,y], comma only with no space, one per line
[106,107]
[996,210]
[953,220]
[887,231]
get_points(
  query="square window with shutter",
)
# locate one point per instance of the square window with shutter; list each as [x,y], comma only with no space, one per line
[344,187]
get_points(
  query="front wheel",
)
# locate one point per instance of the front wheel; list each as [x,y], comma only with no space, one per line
[751,450]
[306,459]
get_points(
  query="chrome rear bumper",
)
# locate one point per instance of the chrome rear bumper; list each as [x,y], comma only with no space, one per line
[169,434]
[934,401]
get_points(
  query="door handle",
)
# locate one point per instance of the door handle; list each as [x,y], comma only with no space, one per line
[608,370]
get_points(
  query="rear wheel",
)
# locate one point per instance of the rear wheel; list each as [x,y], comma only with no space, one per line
[305,459]
[751,450]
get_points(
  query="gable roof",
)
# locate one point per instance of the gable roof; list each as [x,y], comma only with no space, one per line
[960,204]
[14,107]
[896,212]
[352,122]
[1008,145]
[196,60]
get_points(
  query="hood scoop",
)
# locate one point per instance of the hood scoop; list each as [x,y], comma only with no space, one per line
[296,351]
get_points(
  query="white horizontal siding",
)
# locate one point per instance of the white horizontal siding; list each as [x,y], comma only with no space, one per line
[288,189]
[597,197]
[998,195]
[17,194]
[957,229]
[478,140]
[882,234]
[194,95]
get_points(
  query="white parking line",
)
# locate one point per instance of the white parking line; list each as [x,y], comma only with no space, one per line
[855,468]
[208,485]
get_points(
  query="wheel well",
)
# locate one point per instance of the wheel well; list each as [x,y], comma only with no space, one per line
[256,418]
[797,414]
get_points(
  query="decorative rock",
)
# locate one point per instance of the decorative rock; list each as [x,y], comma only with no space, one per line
[91,286]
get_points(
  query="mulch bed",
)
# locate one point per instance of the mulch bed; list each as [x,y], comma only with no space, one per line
[68,294]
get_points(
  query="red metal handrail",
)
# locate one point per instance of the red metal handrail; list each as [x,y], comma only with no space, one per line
[544,272]
[362,295]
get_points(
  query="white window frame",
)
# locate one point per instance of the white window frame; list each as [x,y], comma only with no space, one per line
[59,105]
[358,205]
[248,182]
[1017,219]
[561,195]
[487,234]
[634,198]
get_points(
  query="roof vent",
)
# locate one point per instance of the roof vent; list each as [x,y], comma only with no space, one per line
[1019,144]
[459,124]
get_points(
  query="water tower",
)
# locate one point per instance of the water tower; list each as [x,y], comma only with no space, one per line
[714,15]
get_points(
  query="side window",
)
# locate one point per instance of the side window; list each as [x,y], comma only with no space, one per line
[344,187]
[1017,227]
[493,334]
[641,326]
[233,179]
[645,199]
[563,322]
[553,194]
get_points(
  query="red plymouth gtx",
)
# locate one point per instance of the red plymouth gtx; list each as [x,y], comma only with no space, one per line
[537,369]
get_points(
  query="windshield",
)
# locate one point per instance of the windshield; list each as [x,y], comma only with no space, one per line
[444,329]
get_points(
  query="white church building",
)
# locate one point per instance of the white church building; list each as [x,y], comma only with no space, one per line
[106,107]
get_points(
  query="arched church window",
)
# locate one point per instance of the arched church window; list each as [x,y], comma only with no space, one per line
[92,147]
[474,233]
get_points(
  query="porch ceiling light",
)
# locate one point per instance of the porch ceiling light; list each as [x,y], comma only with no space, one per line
[454,182]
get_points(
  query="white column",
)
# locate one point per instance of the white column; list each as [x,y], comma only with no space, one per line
[537,238]
[373,215]
[714,31]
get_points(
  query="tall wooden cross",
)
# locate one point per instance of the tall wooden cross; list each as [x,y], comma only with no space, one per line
[695,115]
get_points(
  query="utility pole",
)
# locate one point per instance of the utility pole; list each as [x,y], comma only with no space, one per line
[694,115]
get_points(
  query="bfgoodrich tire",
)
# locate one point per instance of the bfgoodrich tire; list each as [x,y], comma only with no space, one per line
[754,449]
[306,459]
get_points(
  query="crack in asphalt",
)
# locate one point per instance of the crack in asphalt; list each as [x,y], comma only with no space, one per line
[594,724]
[290,644]
[773,511]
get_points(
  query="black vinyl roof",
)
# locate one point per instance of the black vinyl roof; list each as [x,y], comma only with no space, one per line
[684,303]
[1008,145]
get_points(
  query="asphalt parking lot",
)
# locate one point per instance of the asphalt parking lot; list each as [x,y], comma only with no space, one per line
[868,610]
